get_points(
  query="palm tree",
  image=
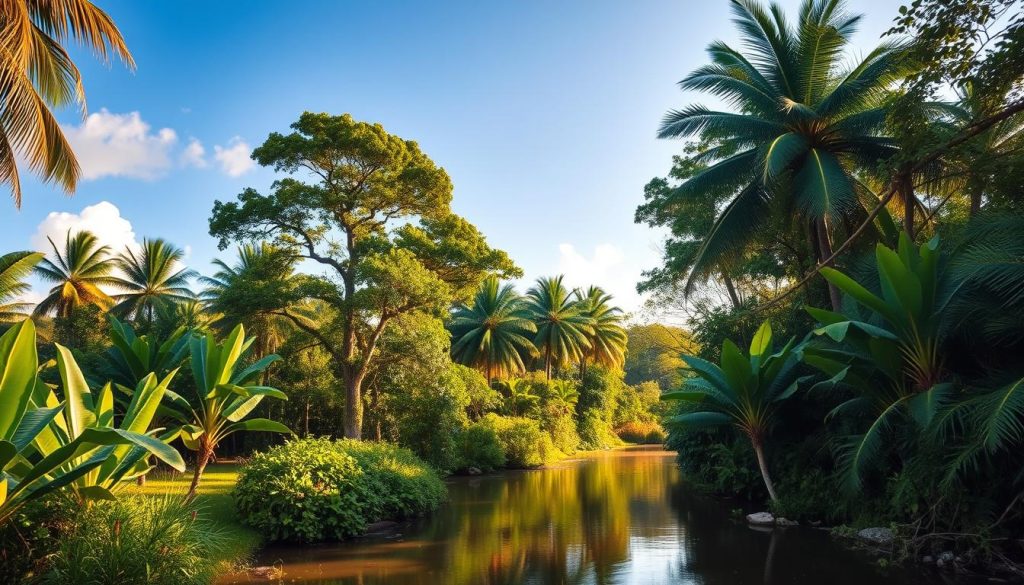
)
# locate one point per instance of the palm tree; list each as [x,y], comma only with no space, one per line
[256,291]
[14,267]
[802,127]
[608,338]
[563,326]
[153,277]
[743,391]
[493,332]
[36,74]
[77,275]
[562,397]
[520,399]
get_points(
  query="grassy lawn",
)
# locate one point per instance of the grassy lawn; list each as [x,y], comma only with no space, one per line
[214,501]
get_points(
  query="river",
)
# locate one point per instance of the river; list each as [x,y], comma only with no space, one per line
[617,517]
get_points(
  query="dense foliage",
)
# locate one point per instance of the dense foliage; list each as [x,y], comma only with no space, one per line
[313,490]
[872,214]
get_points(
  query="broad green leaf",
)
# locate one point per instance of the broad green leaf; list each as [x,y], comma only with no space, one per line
[18,363]
[762,341]
[860,294]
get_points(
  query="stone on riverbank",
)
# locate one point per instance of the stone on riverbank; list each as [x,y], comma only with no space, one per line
[876,535]
[761,519]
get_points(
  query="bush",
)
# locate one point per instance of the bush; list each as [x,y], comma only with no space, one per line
[32,535]
[564,436]
[139,539]
[480,448]
[307,490]
[314,490]
[521,439]
[405,485]
[595,432]
[643,433]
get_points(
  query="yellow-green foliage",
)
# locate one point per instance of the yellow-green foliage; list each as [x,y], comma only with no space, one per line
[641,432]
[523,442]
[313,490]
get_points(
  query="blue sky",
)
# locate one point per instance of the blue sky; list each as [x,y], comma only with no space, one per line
[543,113]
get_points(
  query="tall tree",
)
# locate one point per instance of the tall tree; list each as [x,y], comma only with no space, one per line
[351,184]
[77,275]
[14,267]
[802,127]
[563,326]
[607,337]
[37,74]
[494,331]
[152,278]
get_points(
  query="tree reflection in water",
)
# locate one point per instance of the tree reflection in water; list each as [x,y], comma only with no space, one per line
[617,517]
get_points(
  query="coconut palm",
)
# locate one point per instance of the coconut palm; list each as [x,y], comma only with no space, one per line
[259,292]
[152,277]
[563,325]
[494,331]
[77,275]
[608,338]
[14,267]
[36,74]
[801,128]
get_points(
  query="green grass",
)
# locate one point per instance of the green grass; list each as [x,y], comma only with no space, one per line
[214,498]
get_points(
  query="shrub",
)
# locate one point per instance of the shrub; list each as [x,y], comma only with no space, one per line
[564,436]
[595,432]
[404,484]
[644,433]
[306,490]
[480,448]
[521,440]
[32,535]
[139,539]
[314,490]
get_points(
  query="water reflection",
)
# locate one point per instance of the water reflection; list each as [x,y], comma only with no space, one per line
[622,517]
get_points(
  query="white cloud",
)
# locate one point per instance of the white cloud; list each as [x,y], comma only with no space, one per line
[194,154]
[121,145]
[235,158]
[606,268]
[103,219]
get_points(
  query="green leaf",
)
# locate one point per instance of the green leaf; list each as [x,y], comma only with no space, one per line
[18,363]
[860,294]
[783,151]
[95,492]
[762,341]
[256,424]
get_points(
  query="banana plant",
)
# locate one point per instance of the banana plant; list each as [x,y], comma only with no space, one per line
[887,349]
[86,412]
[744,391]
[133,357]
[225,395]
[26,474]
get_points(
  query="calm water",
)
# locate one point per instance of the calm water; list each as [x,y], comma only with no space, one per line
[622,517]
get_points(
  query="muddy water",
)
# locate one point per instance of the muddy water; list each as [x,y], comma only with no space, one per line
[622,517]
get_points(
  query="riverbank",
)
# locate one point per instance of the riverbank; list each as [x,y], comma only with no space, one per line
[618,516]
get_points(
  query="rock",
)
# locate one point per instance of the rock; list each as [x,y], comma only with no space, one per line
[945,560]
[927,559]
[473,471]
[876,535]
[785,522]
[761,519]
[378,528]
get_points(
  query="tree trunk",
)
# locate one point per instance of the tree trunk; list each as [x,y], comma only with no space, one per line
[976,194]
[907,192]
[825,251]
[759,451]
[306,424]
[353,406]
[202,458]
[731,288]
